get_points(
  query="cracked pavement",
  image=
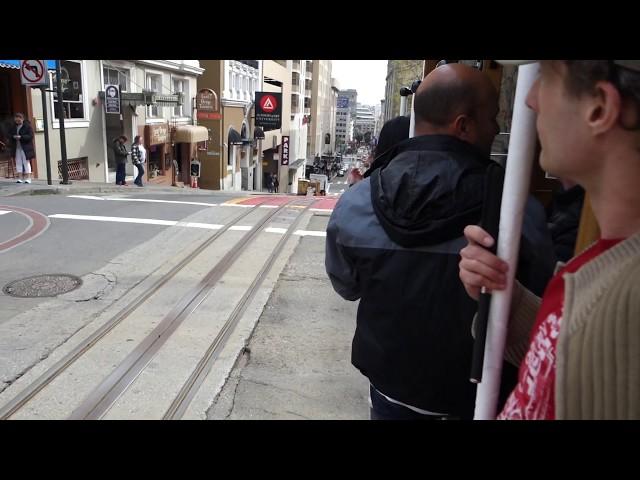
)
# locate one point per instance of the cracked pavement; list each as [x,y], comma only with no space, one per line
[299,360]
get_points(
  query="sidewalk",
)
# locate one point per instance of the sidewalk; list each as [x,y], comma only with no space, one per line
[9,188]
[297,364]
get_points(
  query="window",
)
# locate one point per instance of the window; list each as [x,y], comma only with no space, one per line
[72,90]
[180,85]
[251,63]
[153,84]
[113,76]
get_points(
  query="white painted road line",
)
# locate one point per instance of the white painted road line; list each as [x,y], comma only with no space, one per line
[208,226]
[4,212]
[171,223]
[86,197]
[310,233]
[321,209]
[275,230]
[148,200]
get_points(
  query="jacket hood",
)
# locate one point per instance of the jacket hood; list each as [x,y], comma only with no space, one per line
[431,189]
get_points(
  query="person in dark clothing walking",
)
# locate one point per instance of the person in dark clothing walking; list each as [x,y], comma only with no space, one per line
[21,144]
[270,182]
[120,152]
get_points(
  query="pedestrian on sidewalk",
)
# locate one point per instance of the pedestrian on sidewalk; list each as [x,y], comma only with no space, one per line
[276,183]
[138,156]
[22,151]
[270,182]
[120,152]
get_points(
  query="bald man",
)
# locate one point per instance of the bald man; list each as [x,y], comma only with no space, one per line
[393,242]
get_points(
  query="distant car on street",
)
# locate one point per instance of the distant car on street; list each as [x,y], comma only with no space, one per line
[341,173]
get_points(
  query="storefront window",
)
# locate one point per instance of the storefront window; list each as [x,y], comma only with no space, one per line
[72,90]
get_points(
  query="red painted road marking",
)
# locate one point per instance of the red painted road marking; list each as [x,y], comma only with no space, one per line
[321,202]
[325,203]
[38,223]
[266,200]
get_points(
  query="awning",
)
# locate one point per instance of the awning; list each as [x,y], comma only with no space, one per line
[191,134]
[51,64]
[296,164]
[234,138]
[258,134]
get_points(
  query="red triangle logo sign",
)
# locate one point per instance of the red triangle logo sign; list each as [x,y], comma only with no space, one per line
[268,103]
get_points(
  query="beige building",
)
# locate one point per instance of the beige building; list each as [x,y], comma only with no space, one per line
[400,73]
[229,161]
[321,137]
[277,78]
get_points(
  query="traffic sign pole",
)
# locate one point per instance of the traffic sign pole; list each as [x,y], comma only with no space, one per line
[45,117]
[63,140]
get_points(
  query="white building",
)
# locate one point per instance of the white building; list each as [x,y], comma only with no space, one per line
[365,120]
[299,126]
[240,80]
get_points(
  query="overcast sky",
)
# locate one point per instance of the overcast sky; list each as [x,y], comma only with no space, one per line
[368,77]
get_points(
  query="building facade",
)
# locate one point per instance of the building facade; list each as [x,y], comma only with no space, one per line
[400,73]
[322,105]
[155,103]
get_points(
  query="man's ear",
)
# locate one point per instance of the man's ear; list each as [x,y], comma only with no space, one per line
[462,126]
[604,108]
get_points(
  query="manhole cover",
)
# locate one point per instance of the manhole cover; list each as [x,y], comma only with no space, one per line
[42,286]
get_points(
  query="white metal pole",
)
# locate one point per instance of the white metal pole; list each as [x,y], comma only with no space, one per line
[514,195]
[259,169]
[403,105]
[412,121]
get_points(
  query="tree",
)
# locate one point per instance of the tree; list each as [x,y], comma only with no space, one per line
[367,137]
[357,136]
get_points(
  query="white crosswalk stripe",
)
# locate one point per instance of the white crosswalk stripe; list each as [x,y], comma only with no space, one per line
[171,223]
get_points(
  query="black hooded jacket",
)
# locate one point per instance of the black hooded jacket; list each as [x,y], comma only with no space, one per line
[393,242]
[26,140]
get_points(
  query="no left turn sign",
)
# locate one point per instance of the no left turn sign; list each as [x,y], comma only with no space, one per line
[33,72]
